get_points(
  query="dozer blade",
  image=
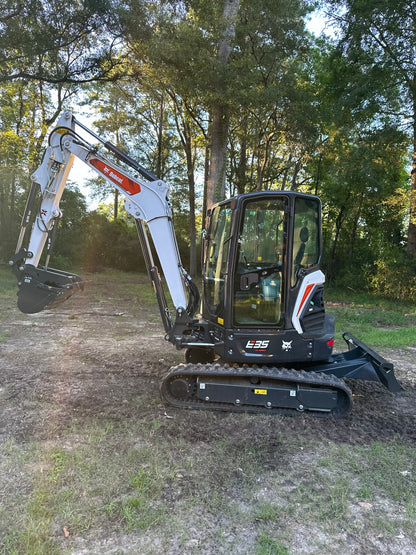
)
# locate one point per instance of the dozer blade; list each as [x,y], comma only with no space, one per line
[360,363]
[384,370]
[41,288]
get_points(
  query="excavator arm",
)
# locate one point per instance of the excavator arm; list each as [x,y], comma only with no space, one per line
[146,199]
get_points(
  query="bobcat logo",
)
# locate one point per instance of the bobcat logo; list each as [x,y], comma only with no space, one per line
[287,345]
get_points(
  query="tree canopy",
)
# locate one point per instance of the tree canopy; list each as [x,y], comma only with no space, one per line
[219,98]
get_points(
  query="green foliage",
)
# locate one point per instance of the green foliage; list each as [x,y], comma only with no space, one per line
[364,192]
[388,272]
[55,40]
[109,244]
[394,276]
[374,78]
[301,116]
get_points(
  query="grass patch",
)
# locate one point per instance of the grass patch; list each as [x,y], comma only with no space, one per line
[8,282]
[267,545]
[144,509]
[135,286]
[382,475]
[374,320]
[364,299]
[136,478]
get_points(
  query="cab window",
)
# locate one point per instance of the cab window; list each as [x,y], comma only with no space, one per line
[216,262]
[306,237]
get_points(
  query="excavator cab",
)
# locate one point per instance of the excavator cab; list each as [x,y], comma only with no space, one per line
[257,287]
[262,282]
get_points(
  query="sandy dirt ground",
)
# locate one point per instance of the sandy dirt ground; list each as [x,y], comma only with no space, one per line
[102,355]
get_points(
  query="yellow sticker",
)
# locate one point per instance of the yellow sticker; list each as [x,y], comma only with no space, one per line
[260,392]
[61,130]
[221,321]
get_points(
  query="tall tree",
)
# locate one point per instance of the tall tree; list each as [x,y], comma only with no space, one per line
[378,76]
[56,41]
[232,57]
[188,135]
[220,107]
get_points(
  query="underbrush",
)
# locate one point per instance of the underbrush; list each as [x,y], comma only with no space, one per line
[8,282]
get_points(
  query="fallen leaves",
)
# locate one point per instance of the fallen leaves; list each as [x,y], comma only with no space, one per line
[65,531]
[365,505]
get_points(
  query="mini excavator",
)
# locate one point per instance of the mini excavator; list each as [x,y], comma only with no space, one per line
[262,341]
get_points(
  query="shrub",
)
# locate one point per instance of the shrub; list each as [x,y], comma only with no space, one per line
[394,276]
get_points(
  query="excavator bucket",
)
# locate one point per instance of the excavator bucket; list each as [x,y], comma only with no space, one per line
[44,288]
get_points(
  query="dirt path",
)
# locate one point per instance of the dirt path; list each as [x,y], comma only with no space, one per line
[92,355]
[102,356]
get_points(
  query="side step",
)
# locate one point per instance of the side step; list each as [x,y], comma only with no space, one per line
[255,389]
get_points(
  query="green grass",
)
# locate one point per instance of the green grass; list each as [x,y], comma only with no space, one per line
[267,545]
[141,479]
[128,283]
[8,282]
[375,320]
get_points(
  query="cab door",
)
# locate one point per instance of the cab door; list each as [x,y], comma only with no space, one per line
[258,297]
[216,263]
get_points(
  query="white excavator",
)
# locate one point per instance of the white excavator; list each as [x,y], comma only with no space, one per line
[261,340]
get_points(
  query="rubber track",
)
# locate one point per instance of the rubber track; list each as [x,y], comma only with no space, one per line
[318,379]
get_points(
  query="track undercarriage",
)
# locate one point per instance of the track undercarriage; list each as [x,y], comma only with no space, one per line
[317,389]
[256,389]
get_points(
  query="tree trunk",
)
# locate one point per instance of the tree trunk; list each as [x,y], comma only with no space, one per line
[242,163]
[262,163]
[286,172]
[411,234]
[182,119]
[331,264]
[219,136]
[294,185]
[191,184]
[206,177]
[220,111]
[354,230]
[318,173]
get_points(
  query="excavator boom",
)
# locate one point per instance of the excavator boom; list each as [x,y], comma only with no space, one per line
[147,201]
